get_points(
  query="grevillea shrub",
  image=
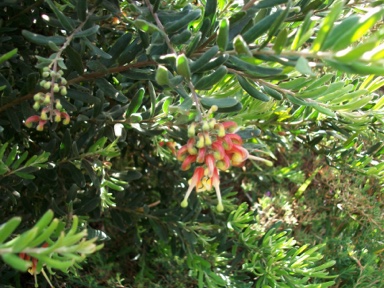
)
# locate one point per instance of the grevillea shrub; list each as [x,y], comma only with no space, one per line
[181,143]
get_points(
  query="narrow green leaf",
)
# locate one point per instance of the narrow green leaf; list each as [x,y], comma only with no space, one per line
[8,228]
[8,55]
[42,40]
[327,25]
[136,102]
[87,32]
[64,20]
[81,9]
[261,27]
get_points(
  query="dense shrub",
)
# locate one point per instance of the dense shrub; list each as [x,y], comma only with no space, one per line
[109,107]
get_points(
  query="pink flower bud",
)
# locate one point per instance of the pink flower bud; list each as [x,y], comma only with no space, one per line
[236,139]
[32,119]
[224,164]
[187,162]
[231,126]
[240,154]
[40,126]
[218,150]
[66,117]
[227,142]
[182,153]
[210,162]
[201,155]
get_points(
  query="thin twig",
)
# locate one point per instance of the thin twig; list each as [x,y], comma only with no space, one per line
[85,77]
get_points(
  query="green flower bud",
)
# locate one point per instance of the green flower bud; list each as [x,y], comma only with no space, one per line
[63,81]
[63,91]
[45,74]
[37,97]
[47,98]
[43,115]
[47,85]
[36,106]
[56,88]
[57,117]
[192,130]
[42,83]
[206,126]
[58,105]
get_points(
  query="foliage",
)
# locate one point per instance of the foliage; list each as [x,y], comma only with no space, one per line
[98,98]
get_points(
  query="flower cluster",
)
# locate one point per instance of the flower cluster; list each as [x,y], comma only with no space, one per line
[51,108]
[213,146]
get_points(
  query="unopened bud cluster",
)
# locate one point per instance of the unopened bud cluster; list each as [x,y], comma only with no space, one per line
[50,108]
[213,146]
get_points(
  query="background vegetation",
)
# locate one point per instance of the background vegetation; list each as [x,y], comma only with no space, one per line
[97,97]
